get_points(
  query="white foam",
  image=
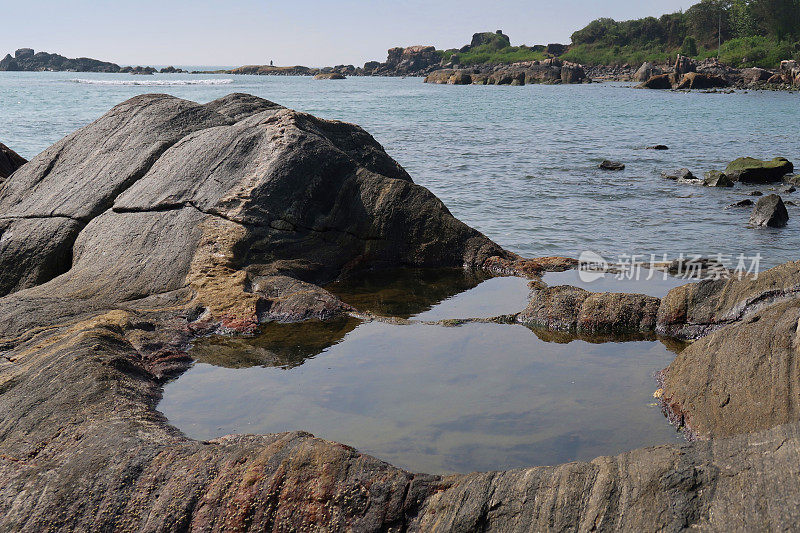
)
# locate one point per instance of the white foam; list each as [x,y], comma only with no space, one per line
[153,82]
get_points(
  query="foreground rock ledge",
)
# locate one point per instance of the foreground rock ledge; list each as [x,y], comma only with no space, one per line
[165,219]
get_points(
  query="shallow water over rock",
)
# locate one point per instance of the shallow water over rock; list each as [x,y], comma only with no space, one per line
[480,396]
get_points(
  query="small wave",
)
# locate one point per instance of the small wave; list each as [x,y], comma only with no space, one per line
[153,82]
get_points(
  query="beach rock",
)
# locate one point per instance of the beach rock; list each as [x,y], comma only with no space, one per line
[460,78]
[755,193]
[659,81]
[742,203]
[329,76]
[715,178]
[755,75]
[697,80]
[751,170]
[567,308]
[572,73]
[439,76]
[682,175]
[9,161]
[787,189]
[658,147]
[769,211]
[611,165]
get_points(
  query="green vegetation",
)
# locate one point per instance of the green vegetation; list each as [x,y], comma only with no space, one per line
[488,54]
[753,33]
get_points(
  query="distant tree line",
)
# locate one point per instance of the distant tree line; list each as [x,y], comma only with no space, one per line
[763,28]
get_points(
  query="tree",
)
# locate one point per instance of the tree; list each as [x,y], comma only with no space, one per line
[689,47]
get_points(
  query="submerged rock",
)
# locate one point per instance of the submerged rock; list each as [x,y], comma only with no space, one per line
[329,76]
[611,165]
[751,170]
[683,175]
[658,147]
[769,211]
[742,203]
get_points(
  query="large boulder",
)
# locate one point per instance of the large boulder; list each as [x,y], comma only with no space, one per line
[572,73]
[755,75]
[659,81]
[9,161]
[751,170]
[646,71]
[769,211]
[271,193]
[698,80]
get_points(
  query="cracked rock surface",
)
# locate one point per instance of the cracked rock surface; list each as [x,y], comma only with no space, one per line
[166,219]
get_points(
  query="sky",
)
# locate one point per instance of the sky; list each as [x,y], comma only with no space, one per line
[291,32]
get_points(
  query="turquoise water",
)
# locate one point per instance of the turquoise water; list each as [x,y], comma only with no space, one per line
[518,163]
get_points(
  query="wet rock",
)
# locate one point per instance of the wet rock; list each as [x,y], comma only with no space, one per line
[715,178]
[788,189]
[682,175]
[329,76]
[658,147]
[567,308]
[742,203]
[751,170]
[9,161]
[755,193]
[611,165]
[769,211]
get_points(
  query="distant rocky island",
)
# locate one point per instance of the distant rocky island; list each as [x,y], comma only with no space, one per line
[26,60]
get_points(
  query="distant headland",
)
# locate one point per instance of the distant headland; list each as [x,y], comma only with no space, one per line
[27,60]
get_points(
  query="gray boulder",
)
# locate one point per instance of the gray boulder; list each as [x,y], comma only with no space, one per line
[611,165]
[715,178]
[646,71]
[769,211]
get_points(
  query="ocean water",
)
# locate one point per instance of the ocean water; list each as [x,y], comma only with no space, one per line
[518,163]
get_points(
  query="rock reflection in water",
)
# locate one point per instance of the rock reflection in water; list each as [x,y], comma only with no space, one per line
[430,398]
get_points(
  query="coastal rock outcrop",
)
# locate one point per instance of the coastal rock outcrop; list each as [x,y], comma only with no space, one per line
[715,178]
[646,71]
[9,161]
[177,219]
[26,60]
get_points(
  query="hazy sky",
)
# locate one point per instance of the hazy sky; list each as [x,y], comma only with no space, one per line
[308,32]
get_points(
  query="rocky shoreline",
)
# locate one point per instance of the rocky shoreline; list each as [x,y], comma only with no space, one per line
[165,220]
[27,60]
